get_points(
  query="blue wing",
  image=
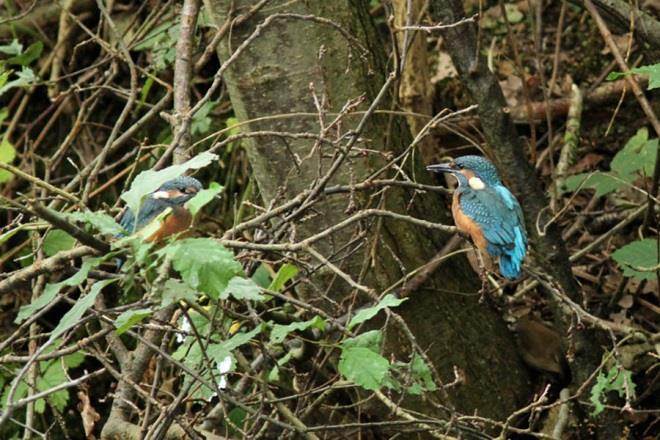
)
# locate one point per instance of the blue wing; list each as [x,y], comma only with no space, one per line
[148,211]
[498,213]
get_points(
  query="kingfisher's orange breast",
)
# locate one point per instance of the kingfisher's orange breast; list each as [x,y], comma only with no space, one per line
[466,224]
[178,221]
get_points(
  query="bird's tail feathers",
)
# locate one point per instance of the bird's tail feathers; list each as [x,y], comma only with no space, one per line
[509,266]
[511,261]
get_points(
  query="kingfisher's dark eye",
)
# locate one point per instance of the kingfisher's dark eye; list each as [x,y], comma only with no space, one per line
[458,165]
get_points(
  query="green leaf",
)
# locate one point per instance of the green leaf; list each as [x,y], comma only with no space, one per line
[100,221]
[652,71]
[284,274]
[371,340]
[4,76]
[280,331]
[149,181]
[616,379]
[50,374]
[363,315]
[361,362]
[638,155]
[4,113]
[203,197]
[363,367]
[232,124]
[13,48]
[274,374]
[638,254]
[219,352]
[261,276]
[56,241]
[175,291]
[204,264]
[241,338]
[26,58]
[242,289]
[603,183]
[153,226]
[421,374]
[201,122]
[72,317]
[144,92]
[7,155]
[513,14]
[237,417]
[25,78]
[51,290]
[155,37]
[129,318]
[10,233]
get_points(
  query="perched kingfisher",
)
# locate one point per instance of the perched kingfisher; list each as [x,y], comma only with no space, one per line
[486,210]
[172,194]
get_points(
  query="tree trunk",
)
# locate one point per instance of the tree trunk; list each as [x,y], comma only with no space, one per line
[331,48]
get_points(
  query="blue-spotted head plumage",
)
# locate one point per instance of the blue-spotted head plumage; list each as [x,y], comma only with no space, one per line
[172,193]
[464,166]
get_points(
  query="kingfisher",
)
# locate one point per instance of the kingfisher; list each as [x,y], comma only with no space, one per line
[486,210]
[171,194]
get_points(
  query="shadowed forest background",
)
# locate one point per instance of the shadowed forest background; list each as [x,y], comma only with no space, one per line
[323,291]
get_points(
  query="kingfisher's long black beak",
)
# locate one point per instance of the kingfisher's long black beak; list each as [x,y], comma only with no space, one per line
[442,168]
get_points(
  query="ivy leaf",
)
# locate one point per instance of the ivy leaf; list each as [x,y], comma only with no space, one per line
[203,197]
[129,318]
[638,254]
[242,289]
[204,264]
[57,240]
[363,315]
[280,331]
[149,181]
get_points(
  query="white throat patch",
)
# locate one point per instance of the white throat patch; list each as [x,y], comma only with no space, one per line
[161,195]
[476,183]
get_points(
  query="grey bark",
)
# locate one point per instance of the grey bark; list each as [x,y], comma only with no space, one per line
[273,77]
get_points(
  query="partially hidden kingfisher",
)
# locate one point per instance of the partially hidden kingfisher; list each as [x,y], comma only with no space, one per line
[172,194]
[486,210]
